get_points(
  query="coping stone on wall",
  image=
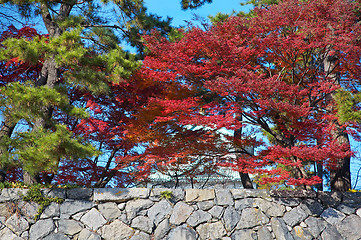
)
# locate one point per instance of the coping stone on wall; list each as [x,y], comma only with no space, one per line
[119,194]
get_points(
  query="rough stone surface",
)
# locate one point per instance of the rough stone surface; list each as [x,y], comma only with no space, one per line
[350,227]
[180,214]
[299,233]
[252,217]
[211,230]
[140,236]
[330,199]
[93,219]
[109,210]
[239,205]
[230,218]
[12,194]
[315,225]
[142,223]
[205,205]
[159,211]
[248,193]
[211,214]
[197,195]
[271,209]
[137,207]
[17,224]
[264,234]
[198,217]
[332,216]
[7,234]
[119,194]
[280,229]
[312,207]
[182,233]
[28,210]
[162,229]
[294,216]
[116,230]
[244,234]
[224,197]
[41,229]
[346,209]
[80,193]
[216,212]
[331,233]
[69,227]
[70,207]
[56,236]
[86,234]
[53,210]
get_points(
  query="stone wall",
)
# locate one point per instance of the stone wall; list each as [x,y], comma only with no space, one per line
[190,214]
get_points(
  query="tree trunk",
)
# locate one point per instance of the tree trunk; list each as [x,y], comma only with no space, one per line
[6,130]
[340,178]
[245,179]
[49,73]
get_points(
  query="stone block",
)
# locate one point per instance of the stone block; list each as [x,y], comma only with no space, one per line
[137,207]
[17,224]
[205,205]
[116,230]
[80,193]
[119,194]
[350,227]
[162,229]
[159,211]
[69,227]
[245,234]
[315,226]
[299,233]
[198,195]
[93,219]
[70,207]
[252,217]
[224,197]
[250,193]
[142,223]
[280,229]
[312,207]
[177,194]
[332,216]
[7,234]
[41,229]
[230,218]
[86,234]
[109,210]
[12,194]
[198,217]
[214,230]
[182,232]
[331,233]
[56,236]
[216,212]
[295,216]
[330,199]
[180,214]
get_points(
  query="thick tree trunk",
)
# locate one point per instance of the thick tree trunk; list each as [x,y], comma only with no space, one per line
[340,178]
[245,179]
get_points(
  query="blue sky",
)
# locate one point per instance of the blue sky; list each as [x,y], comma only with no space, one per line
[172,8]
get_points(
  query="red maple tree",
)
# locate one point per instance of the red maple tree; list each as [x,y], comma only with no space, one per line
[271,72]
